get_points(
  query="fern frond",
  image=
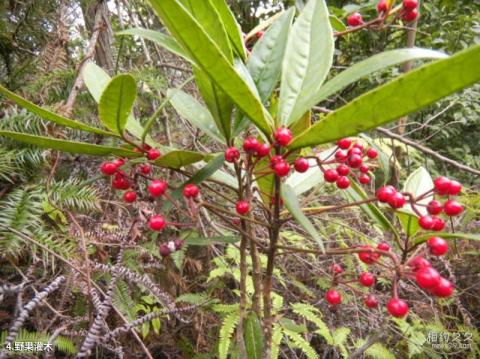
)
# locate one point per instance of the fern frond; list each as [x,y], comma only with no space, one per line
[193,298]
[299,342]
[340,336]
[74,194]
[312,314]
[277,335]
[376,350]
[226,331]
[225,308]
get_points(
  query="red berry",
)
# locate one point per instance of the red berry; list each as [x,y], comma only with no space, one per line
[364,178]
[301,165]
[283,136]
[443,289]
[427,277]
[418,263]
[333,297]
[129,196]
[355,150]
[397,200]
[343,182]
[145,169]
[372,153]
[344,143]
[434,207]
[120,183]
[178,244]
[382,6]
[108,168]
[260,34]
[383,246]
[364,168]
[153,154]
[157,222]
[343,170]
[242,207]
[426,222]
[355,161]
[410,4]
[410,15]
[438,246]
[250,145]
[337,268]
[157,188]
[397,307]
[232,154]
[164,250]
[371,301]
[359,146]
[452,208]
[368,256]
[331,175]
[119,162]
[190,191]
[275,159]
[263,150]
[442,185]
[355,19]
[386,193]
[281,168]
[341,155]
[366,279]
[438,224]
[455,188]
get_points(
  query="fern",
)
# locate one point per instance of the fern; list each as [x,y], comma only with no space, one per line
[122,299]
[299,342]
[226,331]
[74,194]
[277,335]
[311,314]
[225,308]
[193,298]
[376,351]
[62,343]
[340,336]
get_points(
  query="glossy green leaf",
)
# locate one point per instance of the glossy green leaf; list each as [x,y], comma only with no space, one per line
[369,66]
[117,101]
[416,89]
[231,26]
[210,59]
[308,58]
[165,41]
[409,222]
[68,146]
[337,24]
[217,101]
[418,183]
[424,237]
[356,193]
[253,336]
[188,107]
[293,206]
[51,116]
[265,61]
[179,158]
[96,81]
[211,240]
[209,19]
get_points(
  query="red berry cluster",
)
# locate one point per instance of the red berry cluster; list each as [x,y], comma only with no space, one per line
[351,158]
[426,276]
[408,13]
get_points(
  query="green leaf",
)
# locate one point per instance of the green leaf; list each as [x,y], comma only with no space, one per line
[188,107]
[337,24]
[96,81]
[162,40]
[50,116]
[210,59]
[418,183]
[231,26]
[253,336]
[293,206]
[424,237]
[265,61]
[179,158]
[369,66]
[68,146]
[211,240]
[408,221]
[308,59]
[356,193]
[416,89]
[117,101]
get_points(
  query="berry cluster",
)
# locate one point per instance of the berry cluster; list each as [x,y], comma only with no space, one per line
[155,188]
[408,13]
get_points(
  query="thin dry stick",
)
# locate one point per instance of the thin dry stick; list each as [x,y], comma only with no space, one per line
[428,151]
